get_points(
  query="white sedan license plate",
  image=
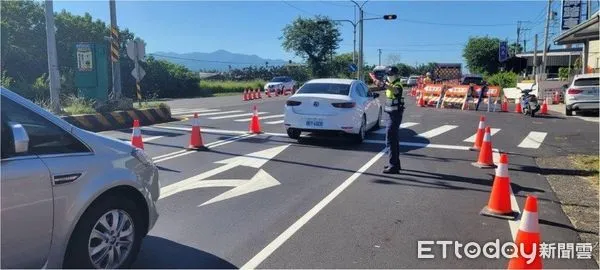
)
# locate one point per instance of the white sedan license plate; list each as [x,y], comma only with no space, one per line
[314,122]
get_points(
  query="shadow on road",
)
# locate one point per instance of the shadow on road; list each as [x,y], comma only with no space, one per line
[564,226]
[160,253]
[555,171]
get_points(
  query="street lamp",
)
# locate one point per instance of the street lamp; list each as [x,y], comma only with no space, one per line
[360,39]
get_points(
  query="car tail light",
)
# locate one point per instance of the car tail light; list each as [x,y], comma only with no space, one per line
[344,105]
[574,91]
[293,103]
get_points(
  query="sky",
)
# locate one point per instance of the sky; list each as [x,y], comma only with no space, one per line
[425,31]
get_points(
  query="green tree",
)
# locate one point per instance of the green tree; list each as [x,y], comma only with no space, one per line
[340,66]
[313,40]
[503,79]
[515,47]
[481,55]
[405,70]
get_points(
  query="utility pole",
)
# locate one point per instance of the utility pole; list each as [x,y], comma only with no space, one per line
[518,36]
[535,65]
[544,55]
[53,73]
[360,44]
[379,56]
[115,51]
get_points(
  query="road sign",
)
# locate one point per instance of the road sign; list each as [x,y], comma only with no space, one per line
[503,51]
[261,180]
[352,67]
[571,14]
[136,50]
[138,72]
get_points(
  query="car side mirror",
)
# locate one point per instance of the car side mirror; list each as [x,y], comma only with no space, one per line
[375,95]
[20,137]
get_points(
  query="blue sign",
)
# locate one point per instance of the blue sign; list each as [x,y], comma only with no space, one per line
[503,51]
[571,14]
[352,67]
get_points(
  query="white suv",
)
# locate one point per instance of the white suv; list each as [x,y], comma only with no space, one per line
[582,95]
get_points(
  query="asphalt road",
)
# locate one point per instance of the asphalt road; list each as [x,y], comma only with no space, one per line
[268,201]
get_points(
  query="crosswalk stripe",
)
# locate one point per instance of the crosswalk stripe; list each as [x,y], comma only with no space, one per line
[436,131]
[233,116]
[533,140]
[472,138]
[266,117]
[173,112]
[403,125]
[274,122]
[218,113]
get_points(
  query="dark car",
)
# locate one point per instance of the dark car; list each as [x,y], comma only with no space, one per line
[472,79]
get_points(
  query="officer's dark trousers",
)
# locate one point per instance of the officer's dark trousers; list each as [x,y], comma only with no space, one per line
[392,138]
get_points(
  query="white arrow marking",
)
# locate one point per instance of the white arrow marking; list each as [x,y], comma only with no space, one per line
[261,180]
[255,160]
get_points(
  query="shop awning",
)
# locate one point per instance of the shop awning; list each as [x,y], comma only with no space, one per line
[581,33]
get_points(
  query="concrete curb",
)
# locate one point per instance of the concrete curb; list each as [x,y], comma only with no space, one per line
[119,119]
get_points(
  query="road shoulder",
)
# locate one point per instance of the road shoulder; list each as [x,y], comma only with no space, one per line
[577,195]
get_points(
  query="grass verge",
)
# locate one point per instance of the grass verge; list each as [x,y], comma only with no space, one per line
[149,105]
[216,88]
[588,163]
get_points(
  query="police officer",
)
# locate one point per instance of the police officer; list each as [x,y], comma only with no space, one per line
[394,107]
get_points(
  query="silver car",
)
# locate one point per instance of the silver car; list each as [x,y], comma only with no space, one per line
[70,198]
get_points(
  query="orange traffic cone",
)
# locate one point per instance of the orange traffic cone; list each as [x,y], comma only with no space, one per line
[421,101]
[255,123]
[136,136]
[528,238]
[485,159]
[518,108]
[254,93]
[544,107]
[504,107]
[499,202]
[479,135]
[245,94]
[196,138]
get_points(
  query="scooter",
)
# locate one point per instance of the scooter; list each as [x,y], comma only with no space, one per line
[529,103]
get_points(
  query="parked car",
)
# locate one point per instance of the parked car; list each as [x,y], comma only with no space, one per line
[583,95]
[412,80]
[70,198]
[472,79]
[338,106]
[404,80]
[280,84]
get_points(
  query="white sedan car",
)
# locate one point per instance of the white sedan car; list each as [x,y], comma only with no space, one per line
[332,106]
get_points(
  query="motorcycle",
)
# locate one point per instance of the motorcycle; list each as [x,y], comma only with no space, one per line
[529,103]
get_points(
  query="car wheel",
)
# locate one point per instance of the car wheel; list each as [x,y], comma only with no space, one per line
[108,235]
[294,133]
[362,132]
[568,112]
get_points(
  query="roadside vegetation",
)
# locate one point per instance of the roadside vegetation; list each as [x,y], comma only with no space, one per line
[589,163]
[223,87]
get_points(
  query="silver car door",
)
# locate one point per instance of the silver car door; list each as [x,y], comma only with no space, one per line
[26,203]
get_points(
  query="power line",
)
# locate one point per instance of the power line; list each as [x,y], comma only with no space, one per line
[335,3]
[297,8]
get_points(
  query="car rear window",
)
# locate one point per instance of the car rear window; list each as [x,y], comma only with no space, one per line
[587,82]
[281,79]
[325,88]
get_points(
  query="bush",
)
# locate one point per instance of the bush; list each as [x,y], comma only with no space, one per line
[78,105]
[503,79]
[563,73]
[217,87]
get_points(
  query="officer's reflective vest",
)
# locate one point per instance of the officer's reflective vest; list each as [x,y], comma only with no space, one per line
[394,100]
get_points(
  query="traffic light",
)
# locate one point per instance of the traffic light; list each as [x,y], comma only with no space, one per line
[390,17]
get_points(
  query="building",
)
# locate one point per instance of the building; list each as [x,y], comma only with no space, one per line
[556,59]
[586,33]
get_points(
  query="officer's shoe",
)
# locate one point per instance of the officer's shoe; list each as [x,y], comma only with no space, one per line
[391,170]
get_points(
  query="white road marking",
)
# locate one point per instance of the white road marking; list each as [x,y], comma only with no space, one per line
[533,140]
[191,112]
[152,138]
[180,153]
[274,122]
[234,115]
[218,113]
[265,117]
[512,224]
[260,181]
[436,131]
[430,145]
[285,235]
[403,125]
[472,138]
[208,130]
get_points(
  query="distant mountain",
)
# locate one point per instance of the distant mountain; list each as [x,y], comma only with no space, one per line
[217,60]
